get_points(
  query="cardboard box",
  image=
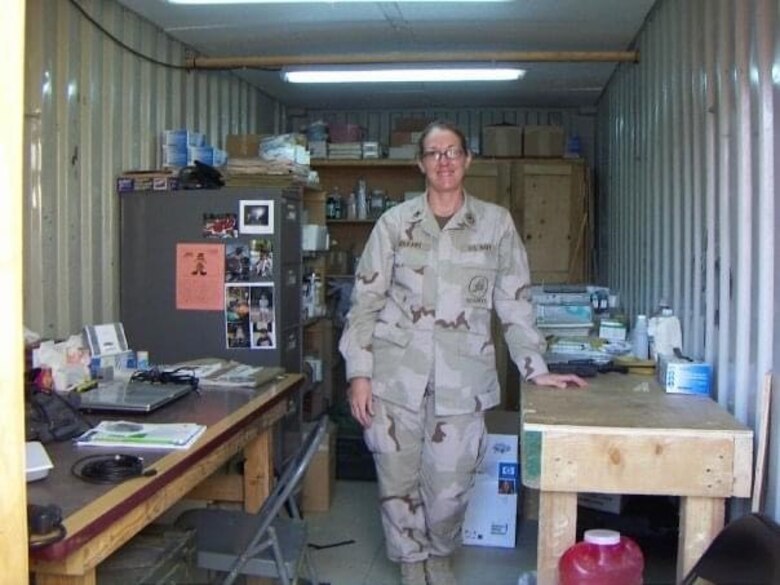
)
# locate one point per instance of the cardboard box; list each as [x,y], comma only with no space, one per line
[543,141]
[243,145]
[320,479]
[502,140]
[147,181]
[341,132]
[680,376]
[408,152]
[404,137]
[491,518]
[411,124]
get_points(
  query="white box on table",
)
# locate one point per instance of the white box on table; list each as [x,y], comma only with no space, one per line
[680,376]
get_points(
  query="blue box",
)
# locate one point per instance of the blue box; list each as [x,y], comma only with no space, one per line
[681,376]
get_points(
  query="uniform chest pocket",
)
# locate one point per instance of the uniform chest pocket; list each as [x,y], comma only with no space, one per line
[409,265]
[477,284]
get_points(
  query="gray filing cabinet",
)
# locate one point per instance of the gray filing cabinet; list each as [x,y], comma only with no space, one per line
[153,223]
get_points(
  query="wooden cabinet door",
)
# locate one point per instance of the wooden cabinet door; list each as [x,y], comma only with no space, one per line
[549,205]
[489,180]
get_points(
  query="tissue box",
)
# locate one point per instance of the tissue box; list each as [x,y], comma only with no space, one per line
[680,376]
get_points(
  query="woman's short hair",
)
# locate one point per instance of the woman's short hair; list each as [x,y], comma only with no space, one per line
[441,125]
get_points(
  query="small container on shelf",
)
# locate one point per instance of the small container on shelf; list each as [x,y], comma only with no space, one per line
[377,203]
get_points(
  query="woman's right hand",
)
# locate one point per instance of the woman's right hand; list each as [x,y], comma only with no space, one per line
[359,397]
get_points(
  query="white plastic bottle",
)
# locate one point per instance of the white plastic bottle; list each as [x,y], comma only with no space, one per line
[352,206]
[639,337]
[362,200]
[665,332]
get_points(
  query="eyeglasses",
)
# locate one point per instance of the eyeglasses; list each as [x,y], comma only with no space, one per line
[451,153]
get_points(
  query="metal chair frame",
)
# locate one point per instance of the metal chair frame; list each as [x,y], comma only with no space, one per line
[745,552]
[260,539]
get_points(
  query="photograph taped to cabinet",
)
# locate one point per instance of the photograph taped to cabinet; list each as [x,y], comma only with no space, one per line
[257,217]
[249,316]
[220,225]
[261,259]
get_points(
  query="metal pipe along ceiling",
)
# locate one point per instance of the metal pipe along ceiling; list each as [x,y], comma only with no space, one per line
[424,57]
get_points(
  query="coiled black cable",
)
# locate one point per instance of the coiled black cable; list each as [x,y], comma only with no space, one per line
[110,468]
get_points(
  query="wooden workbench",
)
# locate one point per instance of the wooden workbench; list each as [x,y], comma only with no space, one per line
[101,518]
[624,435]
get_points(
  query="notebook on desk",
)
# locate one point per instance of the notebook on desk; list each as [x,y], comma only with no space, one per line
[131,396]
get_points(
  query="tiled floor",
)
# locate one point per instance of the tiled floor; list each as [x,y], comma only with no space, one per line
[354,515]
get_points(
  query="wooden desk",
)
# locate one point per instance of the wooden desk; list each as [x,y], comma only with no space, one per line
[617,437]
[101,518]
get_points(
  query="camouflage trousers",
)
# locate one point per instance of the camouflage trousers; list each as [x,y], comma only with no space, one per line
[426,466]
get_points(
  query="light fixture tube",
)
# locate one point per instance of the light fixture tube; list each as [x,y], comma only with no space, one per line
[214,2]
[375,75]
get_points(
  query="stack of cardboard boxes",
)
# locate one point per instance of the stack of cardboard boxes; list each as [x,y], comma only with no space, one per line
[506,140]
[403,140]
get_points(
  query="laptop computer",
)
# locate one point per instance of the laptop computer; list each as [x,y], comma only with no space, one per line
[131,396]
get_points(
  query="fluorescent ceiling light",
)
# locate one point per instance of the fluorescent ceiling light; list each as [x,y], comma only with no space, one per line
[375,75]
[315,1]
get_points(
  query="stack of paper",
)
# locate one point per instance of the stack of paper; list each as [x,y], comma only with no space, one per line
[219,373]
[142,435]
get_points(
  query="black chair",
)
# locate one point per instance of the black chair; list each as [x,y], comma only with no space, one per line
[745,552]
[268,543]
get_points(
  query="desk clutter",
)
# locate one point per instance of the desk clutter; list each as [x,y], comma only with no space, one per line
[588,334]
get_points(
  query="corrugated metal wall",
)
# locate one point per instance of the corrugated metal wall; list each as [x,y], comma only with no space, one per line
[687,189]
[93,110]
[378,124]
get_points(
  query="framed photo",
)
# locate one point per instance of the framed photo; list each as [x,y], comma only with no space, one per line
[256,217]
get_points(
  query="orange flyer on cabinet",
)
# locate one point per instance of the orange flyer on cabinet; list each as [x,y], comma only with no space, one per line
[200,277]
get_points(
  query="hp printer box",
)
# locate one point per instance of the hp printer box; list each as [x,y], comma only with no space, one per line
[681,376]
[491,517]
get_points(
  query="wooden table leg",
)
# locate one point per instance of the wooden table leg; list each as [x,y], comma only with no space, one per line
[557,532]
[258,470]
[701,519]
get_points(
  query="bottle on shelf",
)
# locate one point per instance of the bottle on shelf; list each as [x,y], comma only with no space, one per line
[377,203]
[664,331]
[639,337]
[361,206]
[333,204]
[351,206]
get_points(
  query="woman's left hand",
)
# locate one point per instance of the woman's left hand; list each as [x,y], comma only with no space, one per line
[559,380]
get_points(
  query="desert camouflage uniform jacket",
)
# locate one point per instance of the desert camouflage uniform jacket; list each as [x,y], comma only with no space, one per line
[422,304]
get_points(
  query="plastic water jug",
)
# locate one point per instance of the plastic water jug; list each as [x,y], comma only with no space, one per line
[603,558]
[665,333]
